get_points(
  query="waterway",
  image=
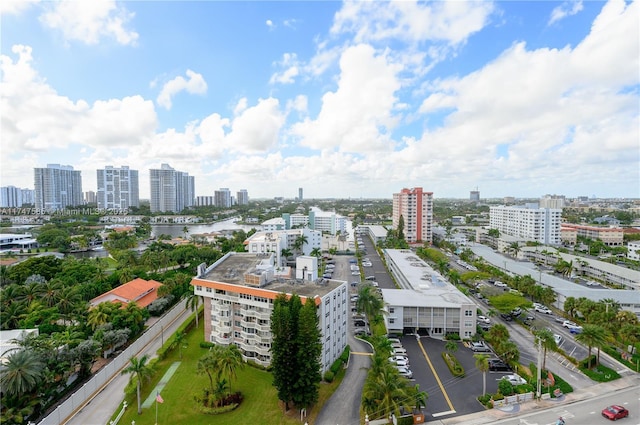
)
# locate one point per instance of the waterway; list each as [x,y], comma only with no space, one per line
[176,230]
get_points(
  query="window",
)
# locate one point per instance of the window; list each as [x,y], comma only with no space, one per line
[392,310]
[468,313]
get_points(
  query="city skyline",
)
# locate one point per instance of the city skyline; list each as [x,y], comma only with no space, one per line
[514,98]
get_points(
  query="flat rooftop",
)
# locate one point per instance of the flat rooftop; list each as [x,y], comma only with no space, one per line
[234,266]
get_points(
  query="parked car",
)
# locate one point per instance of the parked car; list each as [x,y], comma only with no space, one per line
[514,379]
[401,363]
[497,365]
[479,347]
[360,332]
[559,319]
[404,371]
[516,312]
[499,284]
[483,319]
[392,340]
[399,352]
[355,273]
[615,412]
[506,316]
[557,338]
[398,358]
[568,323]
[542,309]
[396,345]
[359,323]
[367,264]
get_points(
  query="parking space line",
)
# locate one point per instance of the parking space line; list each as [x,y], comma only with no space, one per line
[433,370]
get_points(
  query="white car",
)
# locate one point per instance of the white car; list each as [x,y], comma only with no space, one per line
[399,352]
[542,309]
[355,273]
[500,284]
[483,319]
[401,363]
[479,346]
[399,358]
[557,338]
[396,345]
[367,265]
[405,371]
[514,379]
[569,324]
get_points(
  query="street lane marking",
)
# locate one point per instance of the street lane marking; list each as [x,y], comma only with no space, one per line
[433,370]
[437,415]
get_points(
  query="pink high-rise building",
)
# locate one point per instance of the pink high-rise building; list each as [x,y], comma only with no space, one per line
[416,208]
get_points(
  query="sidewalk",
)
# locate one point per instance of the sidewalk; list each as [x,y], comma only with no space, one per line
[494,415]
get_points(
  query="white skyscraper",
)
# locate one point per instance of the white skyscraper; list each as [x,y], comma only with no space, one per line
[171,190]
[57,187]
[527,221]
[222,198]
[243,197]
[118,188]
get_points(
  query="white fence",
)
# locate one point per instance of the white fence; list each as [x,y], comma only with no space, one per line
[111,369]
[513,399]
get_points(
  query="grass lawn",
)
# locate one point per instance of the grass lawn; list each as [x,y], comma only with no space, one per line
[260,404]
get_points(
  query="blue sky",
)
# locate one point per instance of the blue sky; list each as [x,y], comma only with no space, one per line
[353,99]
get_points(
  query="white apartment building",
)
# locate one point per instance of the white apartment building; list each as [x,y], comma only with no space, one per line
[529,222]
[416,209]
[171,190]
[222,198]
[204,201]
[553,201]
[118,188]
[57,187]
[242,197]
[295,220]
[274,224]
[633,250]
[327,221]
[274,241]
[13,197]
[239,290]
[426,303]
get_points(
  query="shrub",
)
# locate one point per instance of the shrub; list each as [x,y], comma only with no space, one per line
[601,373]
[345,354]
[328,376]
[505,387]
[336,366]
[452,336]
[453,364]
[485,400]
[206,344]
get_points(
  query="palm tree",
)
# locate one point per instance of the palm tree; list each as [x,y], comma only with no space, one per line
[139,369]
[451,346]
[369,302]
[592,336]
[179,339]
[545,336]
[193,302]
[515,248]
[229,361]
[300,242]
[482,364]
[100,314]
[208,365]
[316,252]
[21,373]
[50,292]
[389,391]
[285,253]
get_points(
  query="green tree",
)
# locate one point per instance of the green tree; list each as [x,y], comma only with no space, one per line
[369,302]
[592,336]
[451,346]
[482,364]
[229,361]
[283,320]
[400,229]
[21,373]
[545,336]
[140,370]
[386,392]
[309,352]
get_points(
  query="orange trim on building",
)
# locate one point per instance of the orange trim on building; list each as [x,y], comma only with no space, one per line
[248,290]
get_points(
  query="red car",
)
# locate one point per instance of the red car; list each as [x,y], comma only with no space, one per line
[615,412]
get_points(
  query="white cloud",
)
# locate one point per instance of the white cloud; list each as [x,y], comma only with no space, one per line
[452,22]
[569,8]
[195,84]
[37,119]
[15,7]
[358,115]
[269,24]
[89,21]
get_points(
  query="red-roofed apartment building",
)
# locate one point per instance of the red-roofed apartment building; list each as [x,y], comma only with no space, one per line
[143,292]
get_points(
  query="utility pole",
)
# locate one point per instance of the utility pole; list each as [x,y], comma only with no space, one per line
[539,371]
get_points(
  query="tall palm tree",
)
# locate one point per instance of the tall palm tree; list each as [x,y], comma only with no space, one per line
[179,339]
[316,252]
[21,373]
[482,364]
[545,336]
[285,253]
[139,369]
[592,336]
[193,302]
[451,346]
[50,292]
[229,361]
[515,248]
[100,314]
